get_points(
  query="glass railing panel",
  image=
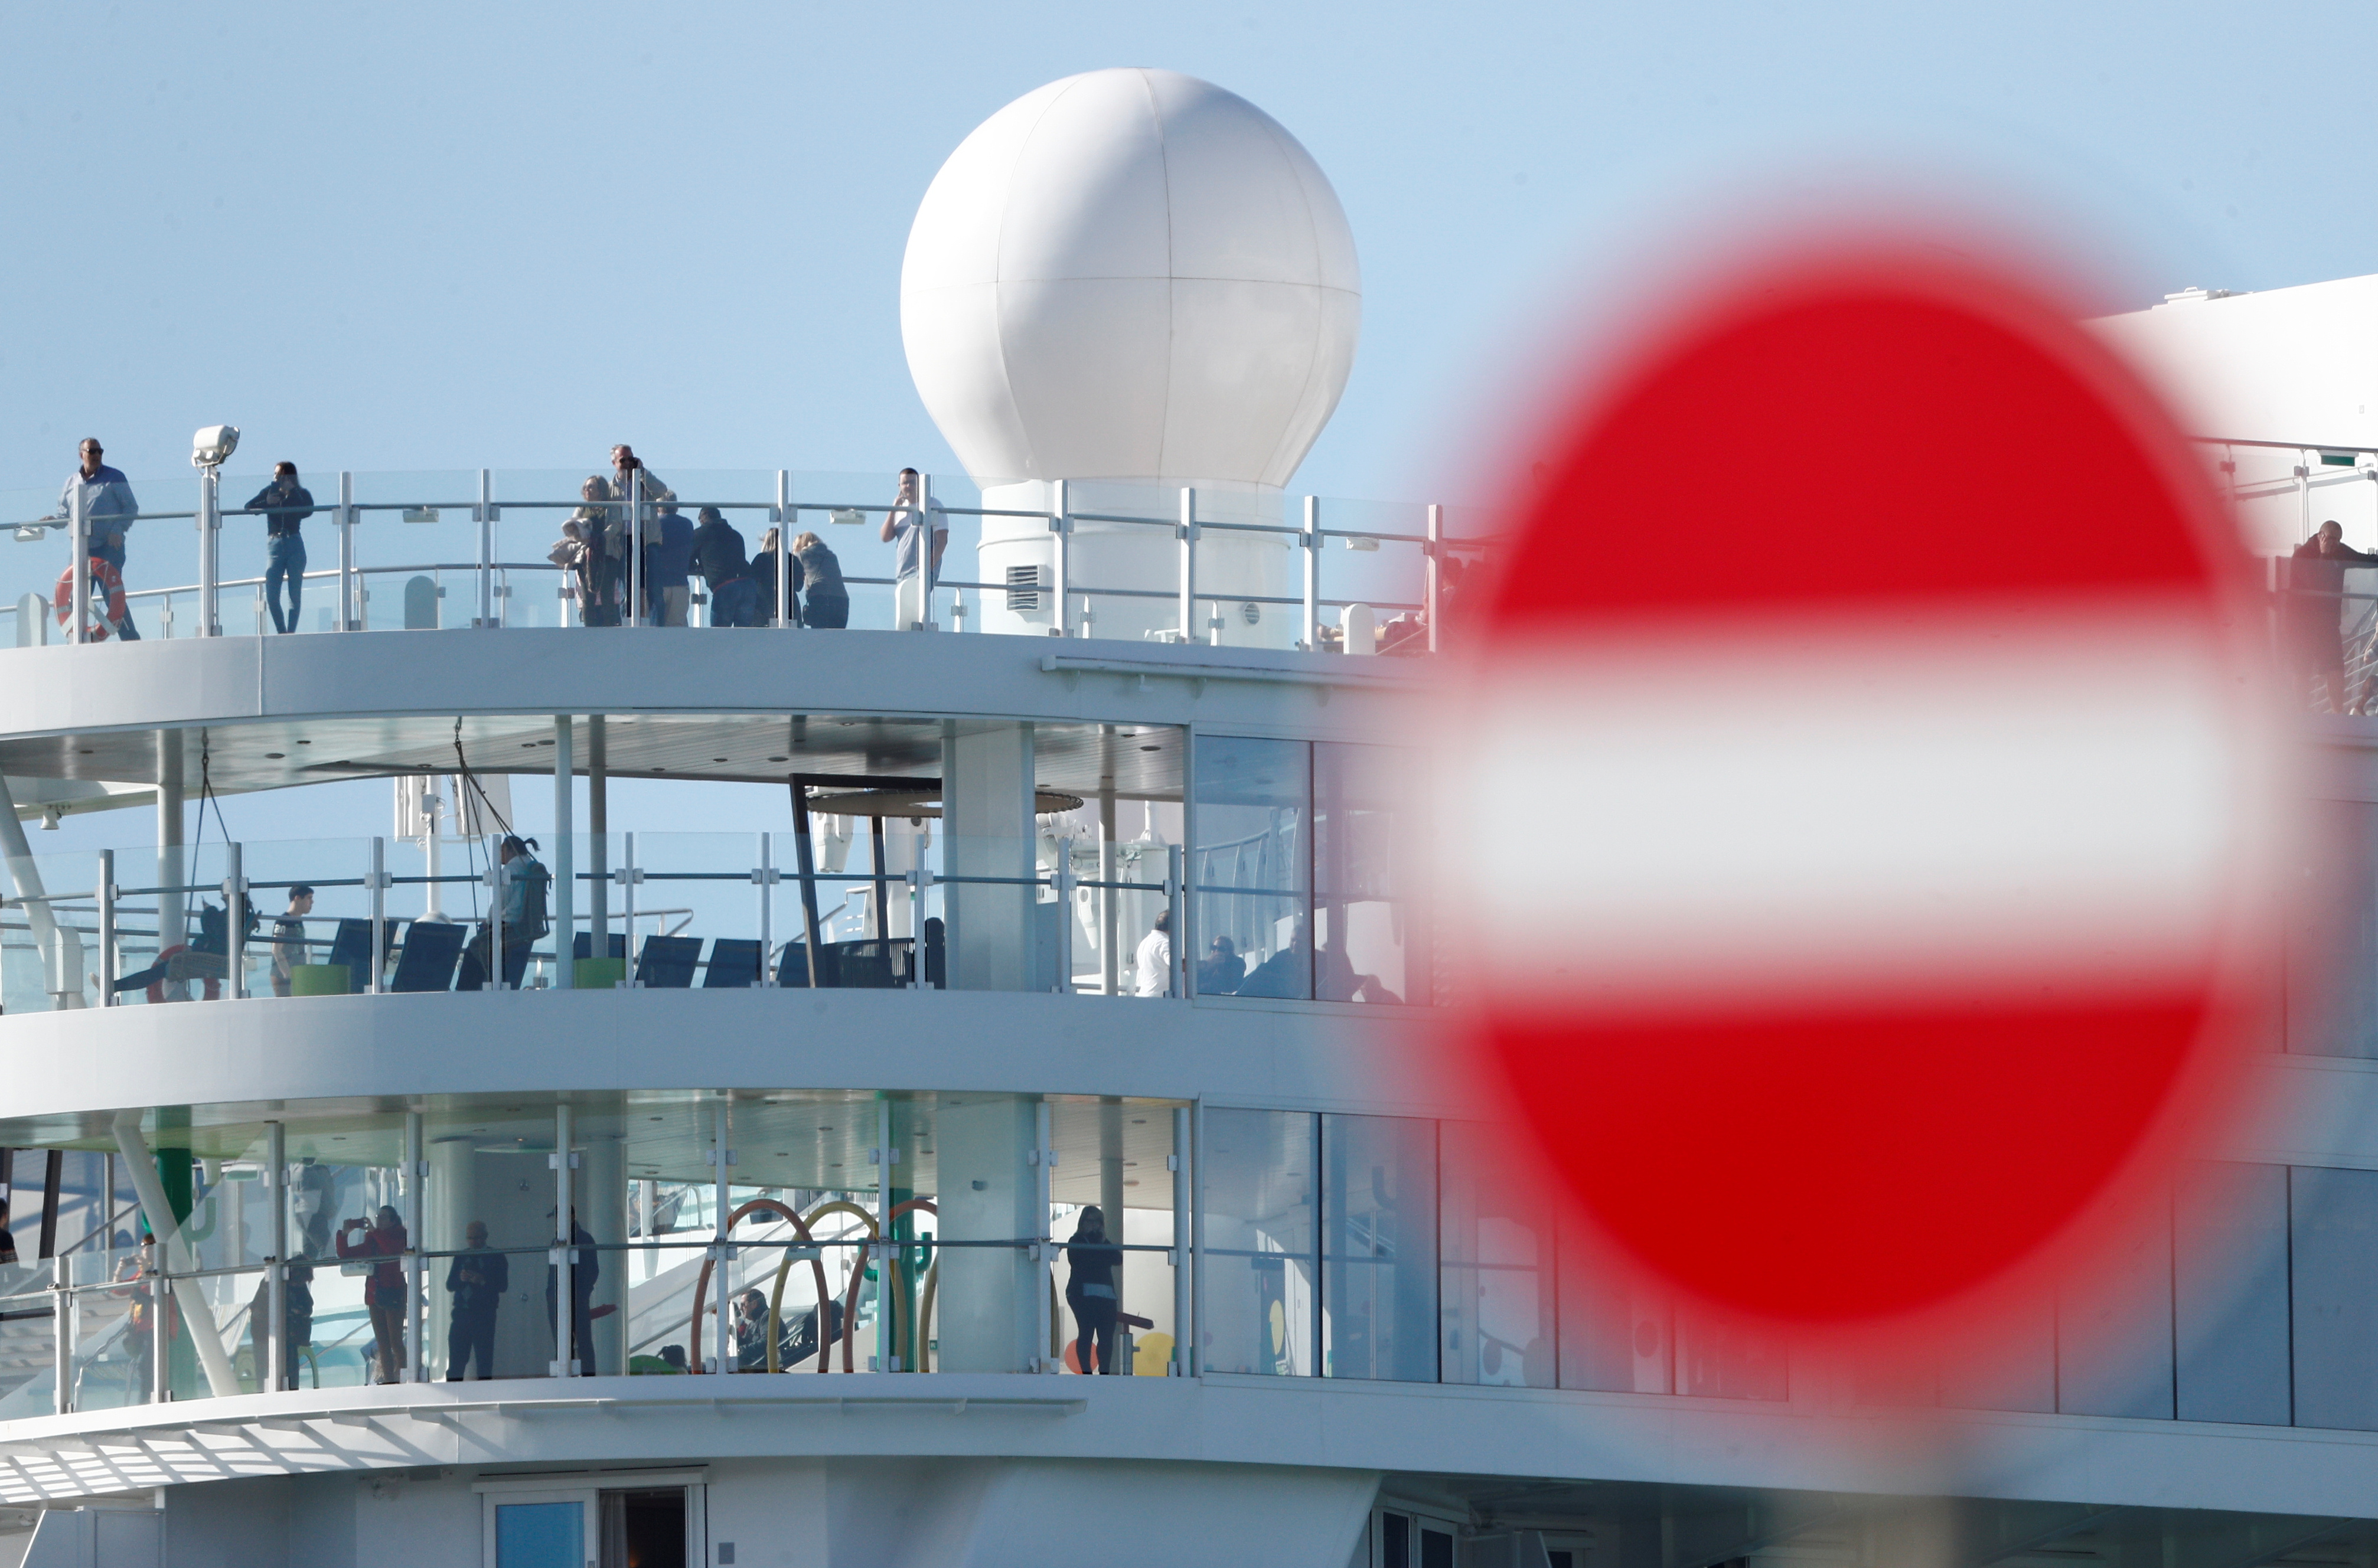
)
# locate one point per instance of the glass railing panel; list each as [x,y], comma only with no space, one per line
[28,1339]
[1131,1331]
[113,1319]
[49,940]
[313,911]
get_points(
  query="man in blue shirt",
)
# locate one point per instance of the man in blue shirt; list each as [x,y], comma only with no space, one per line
[109,507]
[917,534]
[668,558]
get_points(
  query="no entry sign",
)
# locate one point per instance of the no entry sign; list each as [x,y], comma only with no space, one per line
[1869,699]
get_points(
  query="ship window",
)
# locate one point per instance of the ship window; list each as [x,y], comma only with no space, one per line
[1257,1187]
[1378,1261]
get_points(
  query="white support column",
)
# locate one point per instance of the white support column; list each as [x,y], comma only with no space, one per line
[565,1256]
[1310,635]
[1184,1328]
[1065,888]
[274,1342]
[1060,528]
[721,1249]
[416,1167]
[26,877]
[173,1254]
[351,606]
[1188,534]
[565,853]
[629,874]
[172,809]
[62,1326]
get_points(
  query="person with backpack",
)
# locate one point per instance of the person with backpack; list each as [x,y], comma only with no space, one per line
[525,920]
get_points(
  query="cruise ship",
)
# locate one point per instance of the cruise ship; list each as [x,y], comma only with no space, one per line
[1008,989]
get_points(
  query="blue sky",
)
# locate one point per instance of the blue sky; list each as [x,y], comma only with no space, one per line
[442,236]
[448,236]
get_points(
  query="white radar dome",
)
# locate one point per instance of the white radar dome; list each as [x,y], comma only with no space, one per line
[1134,275]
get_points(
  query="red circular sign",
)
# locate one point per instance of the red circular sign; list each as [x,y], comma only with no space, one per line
[1877,672]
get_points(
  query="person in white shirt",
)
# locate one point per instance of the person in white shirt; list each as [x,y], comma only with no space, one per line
[1155,958]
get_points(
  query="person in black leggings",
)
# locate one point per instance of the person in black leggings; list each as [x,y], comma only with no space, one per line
[1094,1292]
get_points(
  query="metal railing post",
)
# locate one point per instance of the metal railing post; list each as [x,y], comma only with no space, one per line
[635,499]
[784,552]
[1188,563]
[924,552]
[79,510]
[417,1165]
[351,608]
[275,1374]
[234,924]
[565,854]
[1060,528]
[376,880]
[486,515]
[1172,983]
[722,1249]
[1431,566]
[1064,885]
[1043,1158]
[628,875]
[62,1321]
[210,560]
[107,928]
[498,877]
[1311,540]
[565,1255]
[161,1338]
[764,874]
[888,1154]
[1183,1271]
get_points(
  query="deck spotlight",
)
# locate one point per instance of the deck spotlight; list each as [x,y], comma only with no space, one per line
[211,446]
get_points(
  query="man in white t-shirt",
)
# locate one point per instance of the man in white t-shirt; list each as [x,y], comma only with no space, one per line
[1155,958]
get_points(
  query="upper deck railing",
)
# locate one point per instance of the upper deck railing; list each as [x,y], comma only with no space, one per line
[402,548]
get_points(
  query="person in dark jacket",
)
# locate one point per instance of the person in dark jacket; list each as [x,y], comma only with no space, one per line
[763,574]
[1094,1292]
[285,504]
[2315,602]
[668,553]
[477,1278]
[298,1304]
[828,603]
[584,1270]
[718,555]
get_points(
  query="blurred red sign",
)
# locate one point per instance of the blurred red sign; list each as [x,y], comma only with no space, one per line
[1870,705]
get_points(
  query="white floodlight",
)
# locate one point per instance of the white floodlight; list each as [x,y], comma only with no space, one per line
[213,445]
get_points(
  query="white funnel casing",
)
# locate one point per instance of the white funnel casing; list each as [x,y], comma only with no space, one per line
[1134,281]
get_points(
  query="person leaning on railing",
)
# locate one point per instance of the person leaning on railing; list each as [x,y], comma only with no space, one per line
[826,603]
[108,509]
[718,555]
[763,576]
[285,504]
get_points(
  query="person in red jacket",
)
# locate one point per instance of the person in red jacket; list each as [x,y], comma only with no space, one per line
[107,608]
[384,1292]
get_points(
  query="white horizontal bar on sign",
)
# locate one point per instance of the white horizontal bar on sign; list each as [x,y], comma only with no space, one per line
[1733,815]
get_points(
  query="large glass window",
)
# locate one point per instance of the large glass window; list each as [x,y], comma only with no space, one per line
[2229,1293]
[1369,919]
[1261,1272]
[1250,867]
[2113,1331]
[1378,1277]
[1495,1237]
[2333,1218]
